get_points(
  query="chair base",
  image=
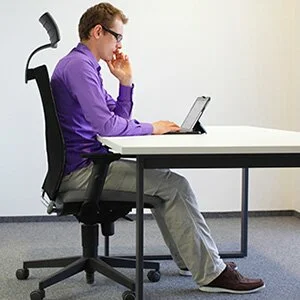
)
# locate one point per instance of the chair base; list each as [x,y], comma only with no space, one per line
[89,262]
[79,264]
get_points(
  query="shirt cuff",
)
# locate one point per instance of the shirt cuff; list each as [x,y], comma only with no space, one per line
[147,128]
[125,92]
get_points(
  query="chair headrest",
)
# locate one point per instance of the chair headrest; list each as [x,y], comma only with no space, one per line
[52,29]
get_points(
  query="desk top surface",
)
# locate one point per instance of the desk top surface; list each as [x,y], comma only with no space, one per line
[219,139]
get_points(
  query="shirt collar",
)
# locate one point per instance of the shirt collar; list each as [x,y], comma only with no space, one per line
[85,50]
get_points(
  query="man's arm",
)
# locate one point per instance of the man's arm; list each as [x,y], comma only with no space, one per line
[122,107]
[120,67]
[85,86]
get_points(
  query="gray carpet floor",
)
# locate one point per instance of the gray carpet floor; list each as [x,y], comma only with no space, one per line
[273,254]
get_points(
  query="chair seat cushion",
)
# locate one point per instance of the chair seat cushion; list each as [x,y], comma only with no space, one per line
[70,202]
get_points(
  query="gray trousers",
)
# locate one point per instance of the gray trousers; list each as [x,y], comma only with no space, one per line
[183,227]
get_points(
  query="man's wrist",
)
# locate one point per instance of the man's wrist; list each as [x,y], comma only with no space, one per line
[126,82]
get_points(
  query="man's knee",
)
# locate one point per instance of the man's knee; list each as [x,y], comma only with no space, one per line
[180,181]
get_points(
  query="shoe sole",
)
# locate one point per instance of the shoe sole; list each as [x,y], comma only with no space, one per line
[209,289]
[185,273]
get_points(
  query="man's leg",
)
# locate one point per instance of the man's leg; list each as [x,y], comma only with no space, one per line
[183,227]
[181,224]
[121,176]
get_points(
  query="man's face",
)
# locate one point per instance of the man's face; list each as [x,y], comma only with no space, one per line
[107,44]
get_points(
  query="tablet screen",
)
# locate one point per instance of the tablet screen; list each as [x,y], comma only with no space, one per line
[195,113]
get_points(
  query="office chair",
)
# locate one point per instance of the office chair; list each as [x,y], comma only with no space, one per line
[91,207]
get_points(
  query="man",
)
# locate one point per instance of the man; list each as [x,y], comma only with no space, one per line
[85,109]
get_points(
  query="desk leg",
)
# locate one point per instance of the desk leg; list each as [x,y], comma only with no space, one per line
[244,225]
[139,228]
[244,221]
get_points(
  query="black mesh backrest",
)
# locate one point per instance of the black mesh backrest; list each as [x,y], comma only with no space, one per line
[54,139]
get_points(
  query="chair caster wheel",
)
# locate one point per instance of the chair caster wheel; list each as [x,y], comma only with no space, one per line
[37,295]
[22,274]
[128,295]
[90,278]
[153,275]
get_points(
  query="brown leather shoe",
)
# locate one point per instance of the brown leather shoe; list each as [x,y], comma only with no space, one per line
[231,264]
[231,281]
[187,272]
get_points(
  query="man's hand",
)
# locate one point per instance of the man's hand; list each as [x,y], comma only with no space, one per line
[161,127]
[120,67]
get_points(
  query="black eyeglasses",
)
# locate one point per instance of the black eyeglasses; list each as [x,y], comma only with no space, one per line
[118,36]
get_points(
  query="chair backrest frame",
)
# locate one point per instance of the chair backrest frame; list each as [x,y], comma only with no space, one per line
[55,144]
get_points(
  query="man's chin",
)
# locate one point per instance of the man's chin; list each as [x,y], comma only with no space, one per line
[109,58]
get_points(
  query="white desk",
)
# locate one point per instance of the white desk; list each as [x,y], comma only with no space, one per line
[220,139]
[222,147]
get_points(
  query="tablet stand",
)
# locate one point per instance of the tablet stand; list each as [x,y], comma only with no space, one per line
[198,128]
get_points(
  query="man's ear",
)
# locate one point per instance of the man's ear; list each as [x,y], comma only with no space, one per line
[97,31]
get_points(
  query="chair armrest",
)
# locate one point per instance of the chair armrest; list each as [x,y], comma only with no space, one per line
[101,163]
[90,208]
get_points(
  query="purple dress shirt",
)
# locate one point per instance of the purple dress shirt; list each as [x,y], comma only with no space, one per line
[86,110]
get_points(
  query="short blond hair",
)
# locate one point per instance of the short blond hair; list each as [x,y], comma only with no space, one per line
[103,14]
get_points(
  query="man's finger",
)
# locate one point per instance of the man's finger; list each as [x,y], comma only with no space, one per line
[110,65]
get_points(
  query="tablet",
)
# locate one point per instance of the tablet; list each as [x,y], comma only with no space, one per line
[189,124]
[195,113]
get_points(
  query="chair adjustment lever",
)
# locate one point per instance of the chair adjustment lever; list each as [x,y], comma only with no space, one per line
[51,208]
[128,219]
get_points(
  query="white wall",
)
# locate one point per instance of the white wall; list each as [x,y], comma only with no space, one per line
[295,182]
[241,53]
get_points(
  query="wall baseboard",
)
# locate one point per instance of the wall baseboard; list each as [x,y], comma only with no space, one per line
[148,216]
